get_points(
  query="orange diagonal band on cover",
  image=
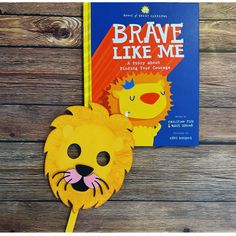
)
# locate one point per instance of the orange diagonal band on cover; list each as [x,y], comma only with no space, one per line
[105,56]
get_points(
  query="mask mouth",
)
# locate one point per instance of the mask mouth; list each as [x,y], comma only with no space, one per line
[80,185]
[82,179]
[78,177]
[87,182]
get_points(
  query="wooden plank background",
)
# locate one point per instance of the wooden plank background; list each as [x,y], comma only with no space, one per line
[169,189]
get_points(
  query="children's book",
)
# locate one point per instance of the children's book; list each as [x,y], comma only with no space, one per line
[142,60]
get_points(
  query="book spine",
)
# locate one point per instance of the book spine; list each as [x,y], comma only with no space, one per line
[87,52]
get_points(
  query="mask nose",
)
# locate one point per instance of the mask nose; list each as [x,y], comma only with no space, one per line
[84,170]
[150,98]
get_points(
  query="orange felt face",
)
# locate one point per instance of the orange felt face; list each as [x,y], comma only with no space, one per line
[87,155]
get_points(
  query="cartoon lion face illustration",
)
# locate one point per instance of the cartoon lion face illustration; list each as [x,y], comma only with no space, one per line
[143,98]
[102,155]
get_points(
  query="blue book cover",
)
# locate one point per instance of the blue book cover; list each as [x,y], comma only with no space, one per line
[142,60]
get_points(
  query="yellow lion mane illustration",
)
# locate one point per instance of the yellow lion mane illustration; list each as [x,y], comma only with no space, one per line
[112,103]
[95,131]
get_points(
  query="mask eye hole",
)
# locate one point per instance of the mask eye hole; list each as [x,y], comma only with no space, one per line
[74,151]
[103,158]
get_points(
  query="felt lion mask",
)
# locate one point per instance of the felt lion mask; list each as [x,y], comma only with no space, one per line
[88,154]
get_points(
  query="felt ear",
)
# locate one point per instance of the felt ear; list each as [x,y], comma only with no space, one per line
[116,93]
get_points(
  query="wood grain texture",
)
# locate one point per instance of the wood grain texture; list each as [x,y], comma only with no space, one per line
[36,8]
[218,36]
[31,123]
[50,61]
[204,173]
[41,89]
[122,217]
[40,31]
[213,11]
[44,31]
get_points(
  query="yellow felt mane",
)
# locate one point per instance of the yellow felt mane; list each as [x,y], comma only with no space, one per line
[94,130]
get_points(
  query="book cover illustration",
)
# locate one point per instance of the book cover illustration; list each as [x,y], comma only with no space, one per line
[141,60]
